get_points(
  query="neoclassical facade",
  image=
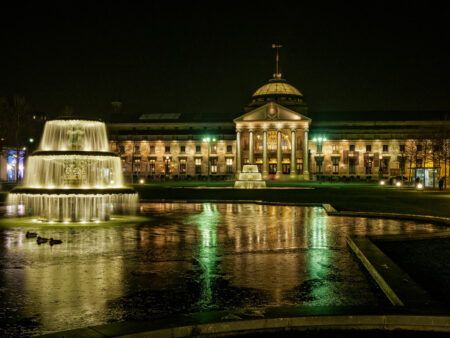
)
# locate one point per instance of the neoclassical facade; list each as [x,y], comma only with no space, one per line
[276,139]
[276,132]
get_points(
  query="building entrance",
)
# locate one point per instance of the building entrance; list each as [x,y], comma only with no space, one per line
[428,176]
[272,168]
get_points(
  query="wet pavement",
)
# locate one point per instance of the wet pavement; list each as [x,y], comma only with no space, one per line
[184,258]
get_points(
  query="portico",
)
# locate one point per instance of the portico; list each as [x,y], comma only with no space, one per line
[276,139]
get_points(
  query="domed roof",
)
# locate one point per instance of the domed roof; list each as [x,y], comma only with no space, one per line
[277,87]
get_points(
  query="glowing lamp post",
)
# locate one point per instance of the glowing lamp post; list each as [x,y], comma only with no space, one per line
[208,140]
[319,142]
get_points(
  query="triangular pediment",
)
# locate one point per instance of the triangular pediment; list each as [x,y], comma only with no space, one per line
[272,111]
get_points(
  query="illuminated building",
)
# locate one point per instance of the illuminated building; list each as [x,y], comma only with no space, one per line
[277,132]
[339,146]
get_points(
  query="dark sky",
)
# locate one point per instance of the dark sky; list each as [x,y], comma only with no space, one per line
[207,60]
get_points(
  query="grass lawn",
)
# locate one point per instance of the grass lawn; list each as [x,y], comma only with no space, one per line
[426,261]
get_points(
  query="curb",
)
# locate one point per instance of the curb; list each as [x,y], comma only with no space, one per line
[381,282]
[397,285]
[371,322]
[411,236]
[373,214]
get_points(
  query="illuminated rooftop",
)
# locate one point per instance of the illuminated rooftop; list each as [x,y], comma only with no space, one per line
[277,87]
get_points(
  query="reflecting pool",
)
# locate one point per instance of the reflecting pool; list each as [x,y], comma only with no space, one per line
[184,258]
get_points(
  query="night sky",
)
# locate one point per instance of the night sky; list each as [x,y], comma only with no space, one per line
[207,60]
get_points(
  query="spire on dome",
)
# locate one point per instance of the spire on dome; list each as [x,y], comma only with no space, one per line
[277,74]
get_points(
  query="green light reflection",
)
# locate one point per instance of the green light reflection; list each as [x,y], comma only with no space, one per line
[318,256]
[207,222]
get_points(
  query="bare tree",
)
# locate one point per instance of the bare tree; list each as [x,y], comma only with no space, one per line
[441,150]
[411,155]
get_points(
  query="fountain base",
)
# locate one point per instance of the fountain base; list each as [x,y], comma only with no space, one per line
[71,205]
[250,178]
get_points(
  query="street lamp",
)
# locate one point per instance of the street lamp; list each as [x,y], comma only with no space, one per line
[319,159]
[319,141]
[208,140]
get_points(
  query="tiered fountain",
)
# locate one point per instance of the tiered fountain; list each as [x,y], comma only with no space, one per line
[250,178]
[72,176]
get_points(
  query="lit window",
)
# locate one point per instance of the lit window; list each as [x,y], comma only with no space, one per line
[152,166]
[229,164]
[213,165]
[368,165]
[183,166]
[335,161]
[167,165]
[198,165]
[352,166]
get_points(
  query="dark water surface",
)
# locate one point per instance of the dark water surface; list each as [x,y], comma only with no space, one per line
[185,258]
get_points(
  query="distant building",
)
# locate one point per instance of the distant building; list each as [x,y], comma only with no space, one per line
[276,132]
[17,141]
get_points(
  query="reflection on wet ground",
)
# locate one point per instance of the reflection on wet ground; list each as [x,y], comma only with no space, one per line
[186,258]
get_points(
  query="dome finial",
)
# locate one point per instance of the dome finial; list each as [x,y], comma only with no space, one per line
[277,47]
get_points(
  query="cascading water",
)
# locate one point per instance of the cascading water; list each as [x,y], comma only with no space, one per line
[73,177]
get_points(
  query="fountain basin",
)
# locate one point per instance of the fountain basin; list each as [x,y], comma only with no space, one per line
[58,191]
[250,178]
[72,205]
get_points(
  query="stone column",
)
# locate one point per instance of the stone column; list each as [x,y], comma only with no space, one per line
[305,156]
[293,152]
[279,154]
[265,172]
[250,146]
[238,152]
